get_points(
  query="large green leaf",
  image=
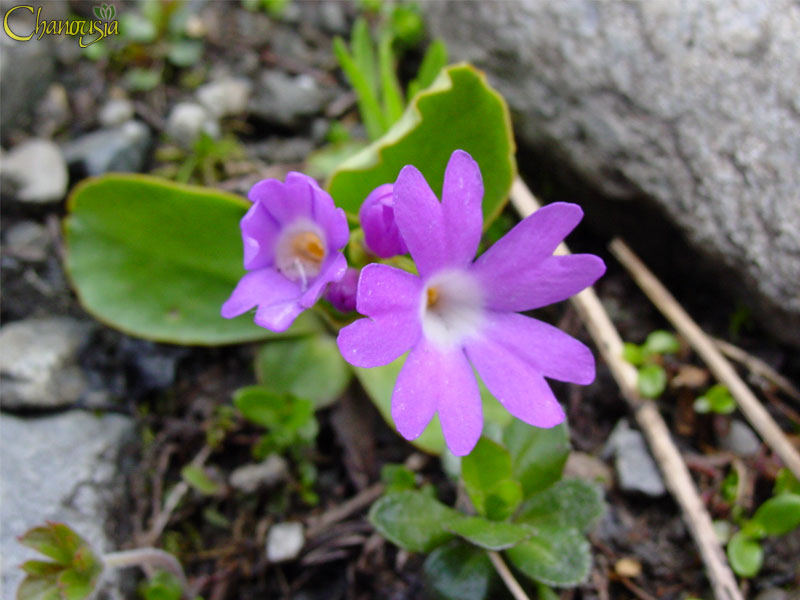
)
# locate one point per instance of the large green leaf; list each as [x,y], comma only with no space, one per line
[459,571]
[553,556]
[458,111]
[568,503]
[157,259]
[413,520]
[378,383]
[489,535]
[538,455]
[307,367]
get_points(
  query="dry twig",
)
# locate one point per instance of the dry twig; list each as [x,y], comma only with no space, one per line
[508,577]
[676,475]
[717,363]
[758,367]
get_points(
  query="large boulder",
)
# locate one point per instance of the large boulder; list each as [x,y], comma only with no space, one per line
[692,108]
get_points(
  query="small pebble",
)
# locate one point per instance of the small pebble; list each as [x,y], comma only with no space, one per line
[226,97]
[284,541]
[628,567]
[28,240]
[37,170]
[116,112]
[251,478]
[188,120]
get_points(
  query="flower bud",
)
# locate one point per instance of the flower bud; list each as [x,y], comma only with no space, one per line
[342,293]
[381,236]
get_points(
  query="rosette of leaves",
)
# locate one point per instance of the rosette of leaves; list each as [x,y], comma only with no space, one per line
[522,508]
[652,377]
[71,571]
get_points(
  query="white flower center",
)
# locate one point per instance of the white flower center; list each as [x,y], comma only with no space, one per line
[451,308]
[300,251]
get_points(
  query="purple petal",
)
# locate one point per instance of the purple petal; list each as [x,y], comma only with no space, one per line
[259,233]
[333,269]
[376,215]
[374,343]
[532,240]
[519,388]
[462,195]
[385,290]
[285,202]
[432,380]
[419,218]
[342,294]
[276,297]
[520,287]
[322,210]
[547,349]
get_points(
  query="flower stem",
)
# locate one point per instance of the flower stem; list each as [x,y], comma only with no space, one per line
[150,560]
[508,577]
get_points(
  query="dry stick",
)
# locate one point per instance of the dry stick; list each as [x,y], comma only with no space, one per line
[717,363]
[676,474]
[508,577]
[759,367]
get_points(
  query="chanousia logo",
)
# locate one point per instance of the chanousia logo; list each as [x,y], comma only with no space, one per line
[87,31]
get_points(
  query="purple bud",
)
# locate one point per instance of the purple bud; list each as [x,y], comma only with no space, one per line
[342,293]
[381,235]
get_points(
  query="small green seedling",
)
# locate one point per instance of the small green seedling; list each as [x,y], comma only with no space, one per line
[652,378]
[717,400]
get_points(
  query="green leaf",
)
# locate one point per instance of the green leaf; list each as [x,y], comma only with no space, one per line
[487,465]
[569,503]
[786,483]
[779,515]
[269,409]
[157,260]
[136,28]
[38,587]
[661,342]
[459,111]
[54,540]
[139,79]
[378,383]
[489,535]
[185,53]
[41,567]
[553,556]
[633,354]
[75,585]
[162,586]
[307,367]
[390,88]
[433,62]
[538,455]
[651,381]
[745,555]
[363,52]
[398,478]
[197,478]
[503,499]
[459,571]
[717,399]
[368,105]
[412,520]
[545,592]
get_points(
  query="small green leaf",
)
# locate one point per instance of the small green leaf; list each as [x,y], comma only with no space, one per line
[503,499]
[569,503]
[185,53]
[368,106]
[717,399]
[135,28]
[652,381]
[538,455]
[75,585]
[307,367]
[54,540]
[197,478]
[162,586]
[459,571]
[390,88]
[139,79]
[40,567]
[489,535]
[786,483]
[157,260]
[661,342]
[553,556]
[779,515]
[412,520]
[398,478]
[745,555]
[288,417]
[633,354]
[364,53]
[433,62]
[39,587]
[459,111]
[487,464]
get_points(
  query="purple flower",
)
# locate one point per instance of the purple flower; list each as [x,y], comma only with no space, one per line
[342,294]
[381,235]
[459,314]
[292,236]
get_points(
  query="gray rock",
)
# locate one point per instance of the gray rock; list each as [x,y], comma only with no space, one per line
[692,107]
[282,150]
[115,112]
[36,170]
[53,112]
[38,367]
[251,478]
[284,541]
[286,99]
[26,71]
[122,149]
[636,469]
[27,240]
[772,594]
[60,468]
[740,440]
[226,97]
[188,120]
